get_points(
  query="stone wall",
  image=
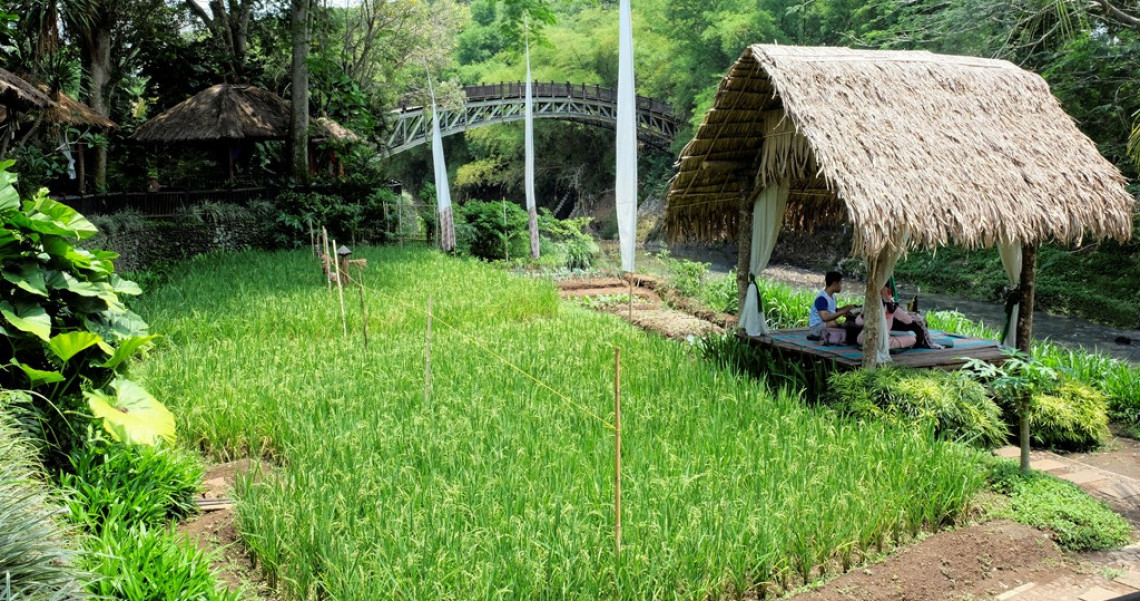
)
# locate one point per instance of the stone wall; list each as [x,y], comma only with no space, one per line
[144,245]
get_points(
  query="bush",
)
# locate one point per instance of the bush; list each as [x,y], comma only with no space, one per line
[1073,417]
[359,217]
[567,240]
[144,564]
[492,231]
[39,560]
[1080,522]
[957,406]
[68,329]
[130,485]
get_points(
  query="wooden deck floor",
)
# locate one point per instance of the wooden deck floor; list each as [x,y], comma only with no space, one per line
[851,357]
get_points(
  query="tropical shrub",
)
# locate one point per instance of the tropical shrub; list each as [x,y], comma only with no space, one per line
[567,241]
[1071,417]
[957,406]
[113,483]
[492,231]
[1080,522]
[69,330]
[38,555]
[140,563]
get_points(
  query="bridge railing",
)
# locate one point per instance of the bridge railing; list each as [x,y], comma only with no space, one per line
[511,90]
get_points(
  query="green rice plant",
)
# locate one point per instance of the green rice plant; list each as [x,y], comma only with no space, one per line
[116,484]
[139,563]
[1080,522]
[38,557]
[495,486]
[952,403]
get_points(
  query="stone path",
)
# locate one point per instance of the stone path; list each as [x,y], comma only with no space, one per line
[1119,572]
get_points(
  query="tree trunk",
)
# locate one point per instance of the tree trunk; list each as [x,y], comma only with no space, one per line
[299,123]
[743,250]
[1025,342]
[99,68]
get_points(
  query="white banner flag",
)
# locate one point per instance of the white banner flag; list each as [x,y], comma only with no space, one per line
[626,185]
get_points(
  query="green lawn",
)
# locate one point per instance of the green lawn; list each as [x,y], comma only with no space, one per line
[499,488]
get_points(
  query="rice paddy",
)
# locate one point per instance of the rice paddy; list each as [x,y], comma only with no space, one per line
[494,487]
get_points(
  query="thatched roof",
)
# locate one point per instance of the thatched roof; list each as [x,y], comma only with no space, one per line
[19,94]
[222,112]
[956,150]
[68,111]
[324,128]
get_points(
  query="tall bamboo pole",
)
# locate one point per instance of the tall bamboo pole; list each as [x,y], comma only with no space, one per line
[363,308]
[427,353]
[1024,340]
[340,293]
[617,450]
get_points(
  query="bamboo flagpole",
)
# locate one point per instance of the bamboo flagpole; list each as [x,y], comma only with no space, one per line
[326,260]
[363,307]
[340,293]
[617,451]
[427,353]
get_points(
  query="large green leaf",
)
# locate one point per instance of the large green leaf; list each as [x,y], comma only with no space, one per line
[29,318]
[27,276]
[101,290]
[47,216]
[67,345]
[127,347]
[114,326]
[9,198]
[132,415]
[98,262]
[38,376]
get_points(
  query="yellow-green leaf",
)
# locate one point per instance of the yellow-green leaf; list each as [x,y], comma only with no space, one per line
[28,318]
[67,345]
[132,415]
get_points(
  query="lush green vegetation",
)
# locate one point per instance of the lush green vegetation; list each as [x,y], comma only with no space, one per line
[495,483]
[1080,522]
[40,556]
[952,402]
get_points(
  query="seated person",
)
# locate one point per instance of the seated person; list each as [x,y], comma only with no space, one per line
[898,319]
[824,313]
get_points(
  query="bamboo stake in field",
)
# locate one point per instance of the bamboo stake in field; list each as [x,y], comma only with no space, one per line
[340,293]
[506,251]
[312,238]
[325,260]
[427,353]
[630,297]
[363,307]
[617,450]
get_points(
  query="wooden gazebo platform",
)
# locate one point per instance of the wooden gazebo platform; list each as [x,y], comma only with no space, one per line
[795,343]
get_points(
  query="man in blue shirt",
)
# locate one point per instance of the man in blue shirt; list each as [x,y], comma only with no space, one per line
[824,313]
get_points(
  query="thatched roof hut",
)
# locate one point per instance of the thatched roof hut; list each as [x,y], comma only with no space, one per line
[223,112]
[67,111]
[958,150]
[19,94]
[325,129]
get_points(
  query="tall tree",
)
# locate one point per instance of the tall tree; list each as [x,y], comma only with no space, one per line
[228,22]
[299,93]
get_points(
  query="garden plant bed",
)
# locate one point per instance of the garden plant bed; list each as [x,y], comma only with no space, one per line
[674,319]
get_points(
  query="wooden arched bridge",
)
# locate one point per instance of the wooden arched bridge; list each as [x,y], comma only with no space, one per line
[490,104]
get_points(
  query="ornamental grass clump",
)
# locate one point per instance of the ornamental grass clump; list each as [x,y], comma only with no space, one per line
[955,405]
[495,486]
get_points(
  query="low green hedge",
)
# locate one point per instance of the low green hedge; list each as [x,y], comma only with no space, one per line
[958,407]
[1080,522]
[1074,417]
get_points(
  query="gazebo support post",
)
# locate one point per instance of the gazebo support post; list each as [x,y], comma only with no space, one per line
[744,245]
[872,321]
[1025,340]
[81,166]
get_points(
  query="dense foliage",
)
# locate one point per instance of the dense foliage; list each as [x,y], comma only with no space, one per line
[955,405]
[1081,523]
[68,331]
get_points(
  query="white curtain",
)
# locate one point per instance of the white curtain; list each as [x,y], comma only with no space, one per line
[1011,259]
[442,188]
[531,206]
[767,217]
[879,270]
[626,185]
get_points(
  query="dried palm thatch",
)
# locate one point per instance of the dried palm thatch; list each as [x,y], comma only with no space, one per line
[950,150]
[222,112]
[70,112]
[19,94]
[325,129]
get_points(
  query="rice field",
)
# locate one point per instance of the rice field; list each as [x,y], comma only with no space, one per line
[495,487]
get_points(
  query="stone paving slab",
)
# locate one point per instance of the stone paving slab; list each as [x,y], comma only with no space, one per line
[1083,477]
[1130,578]
[1047,465]
[1097,594]
[1008,452]
[1011,593]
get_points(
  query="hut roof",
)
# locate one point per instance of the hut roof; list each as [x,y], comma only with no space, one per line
[222,112]
[65,110]
[327,129]
[953,149]
[19,94]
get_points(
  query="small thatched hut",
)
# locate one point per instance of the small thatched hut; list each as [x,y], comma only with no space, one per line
[69,112]
[913,149]
[17,94]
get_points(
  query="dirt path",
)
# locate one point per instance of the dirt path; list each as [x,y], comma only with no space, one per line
[676,319]
[215,531]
